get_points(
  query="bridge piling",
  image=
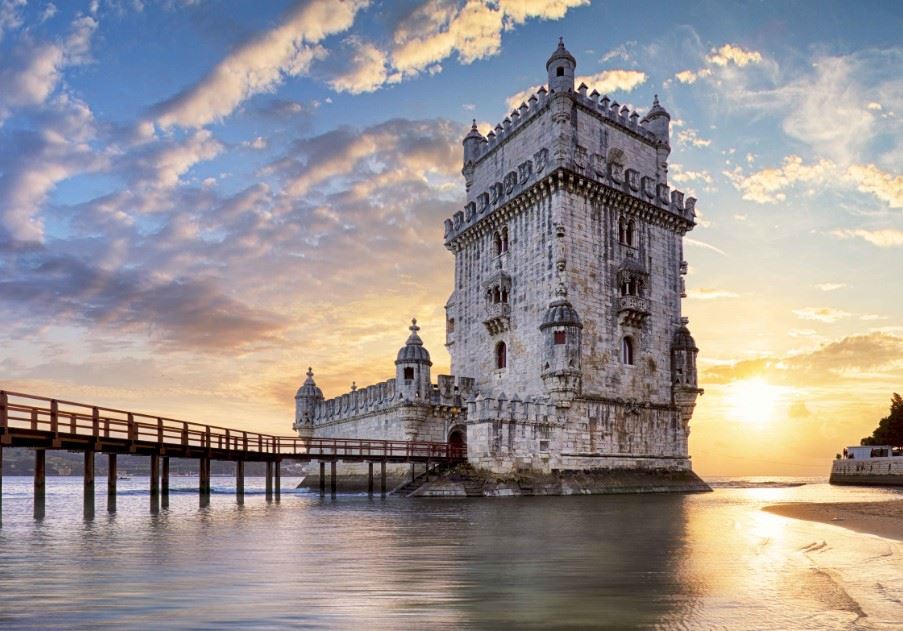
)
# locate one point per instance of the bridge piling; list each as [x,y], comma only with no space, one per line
[322,479]
[1,485]
[204,476]
[332,480]
[382,476]
[277,479]
[269,480]
[111,483]
[155,482]
[89,484]
[240,481]
[164,481]
[40,488]
[370,479]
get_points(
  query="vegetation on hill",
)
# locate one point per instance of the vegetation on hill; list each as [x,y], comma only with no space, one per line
[890,428]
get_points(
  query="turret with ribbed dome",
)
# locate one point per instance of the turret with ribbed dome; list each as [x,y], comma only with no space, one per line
[561,66]
[412,367]
[307,399]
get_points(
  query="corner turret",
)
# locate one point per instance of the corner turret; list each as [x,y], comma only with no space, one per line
[658,121]
[412,368]
[561,66]
[472,142]
[308,397]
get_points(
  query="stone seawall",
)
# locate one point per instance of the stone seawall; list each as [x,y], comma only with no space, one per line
[352,477]
[464,481]
[875,471]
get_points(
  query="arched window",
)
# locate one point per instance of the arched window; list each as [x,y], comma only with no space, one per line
[627,350]
[505,296]
[631,228]
[560,337]
[497,243]
[622,231]
[408,374]
[560,71]
[501,355]
[504,247]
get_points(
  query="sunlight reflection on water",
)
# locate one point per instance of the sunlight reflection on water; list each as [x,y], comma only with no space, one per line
[667,561]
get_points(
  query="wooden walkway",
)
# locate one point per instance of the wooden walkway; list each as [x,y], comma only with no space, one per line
[41,423]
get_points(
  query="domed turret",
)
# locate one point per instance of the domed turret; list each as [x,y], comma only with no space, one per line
[658,121]
[412,367]
[307,399]
[472,142]
[683,358]
[561,66]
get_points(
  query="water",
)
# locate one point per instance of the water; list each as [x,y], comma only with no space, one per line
[706,561]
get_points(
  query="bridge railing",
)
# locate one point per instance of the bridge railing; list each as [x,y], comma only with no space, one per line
[58,417]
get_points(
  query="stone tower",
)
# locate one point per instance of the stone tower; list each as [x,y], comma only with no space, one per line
[566,309]
[308,397]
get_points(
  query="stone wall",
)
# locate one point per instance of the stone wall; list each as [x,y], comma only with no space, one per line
[879,471]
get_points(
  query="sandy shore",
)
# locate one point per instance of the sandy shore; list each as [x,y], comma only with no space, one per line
[884,519]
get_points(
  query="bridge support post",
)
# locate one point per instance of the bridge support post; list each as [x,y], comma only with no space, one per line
[111,483]
[155,482]
[89,484]
[382,478]
[332,480]
[240,481]
[322,478]
[412,472]
[370,478]
[204,481]
[277,478]
[40,488]
[1,486]
[164,481]
[269,474]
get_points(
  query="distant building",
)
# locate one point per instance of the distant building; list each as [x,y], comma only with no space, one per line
[564,326]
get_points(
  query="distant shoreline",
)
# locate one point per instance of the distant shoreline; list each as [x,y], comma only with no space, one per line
[884,519]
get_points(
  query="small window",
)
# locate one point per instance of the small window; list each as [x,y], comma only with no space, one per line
[450,325]
[501,355]
[627,351]
[560,71]
[409,374]
[497,243]
[560,337]
[504,246]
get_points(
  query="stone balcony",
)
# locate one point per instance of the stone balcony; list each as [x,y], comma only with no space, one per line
[498,314]
[633,309]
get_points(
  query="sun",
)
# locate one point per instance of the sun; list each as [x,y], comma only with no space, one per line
[752,400]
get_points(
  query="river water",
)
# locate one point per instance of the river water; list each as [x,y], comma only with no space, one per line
[702,561]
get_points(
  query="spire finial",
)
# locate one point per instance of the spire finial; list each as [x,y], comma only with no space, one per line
[413,328]
[655,100]
[310,371]
[561,42]
[353,386]
[474,126]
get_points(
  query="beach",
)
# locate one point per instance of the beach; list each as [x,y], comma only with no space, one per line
[882,518]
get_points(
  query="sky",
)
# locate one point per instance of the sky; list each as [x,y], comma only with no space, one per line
[200,199]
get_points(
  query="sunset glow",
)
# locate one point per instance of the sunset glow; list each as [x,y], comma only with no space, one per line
[270,196]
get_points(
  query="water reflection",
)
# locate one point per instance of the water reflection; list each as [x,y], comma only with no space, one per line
[618,562]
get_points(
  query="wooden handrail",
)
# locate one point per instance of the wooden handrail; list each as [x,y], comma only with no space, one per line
[39,412]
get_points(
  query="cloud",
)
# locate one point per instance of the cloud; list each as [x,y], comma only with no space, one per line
[176,313]
[771,185]
[726,55]
[260,64]
[30,74]
[830,286]
[162,163]
[701,244]
[826,366]
[33,161]
[887,238]
[731,54]
[10,15]
[704,293]
[365,68]
[606,81]
[439,29]
[690,136]
[822,314]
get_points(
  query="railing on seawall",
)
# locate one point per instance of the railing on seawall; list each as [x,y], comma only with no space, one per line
[56,418]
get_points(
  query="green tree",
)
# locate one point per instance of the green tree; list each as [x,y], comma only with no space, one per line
[890,428]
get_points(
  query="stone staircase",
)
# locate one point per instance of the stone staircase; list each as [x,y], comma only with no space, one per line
[473,488]
[410,486]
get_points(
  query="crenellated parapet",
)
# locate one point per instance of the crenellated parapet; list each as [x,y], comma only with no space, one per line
[482,409]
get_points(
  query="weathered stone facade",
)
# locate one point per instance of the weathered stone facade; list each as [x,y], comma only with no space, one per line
[564,324]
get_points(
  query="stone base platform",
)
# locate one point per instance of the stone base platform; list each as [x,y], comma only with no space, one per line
[464,481]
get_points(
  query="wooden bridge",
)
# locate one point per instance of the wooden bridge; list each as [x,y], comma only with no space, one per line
[41,423]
